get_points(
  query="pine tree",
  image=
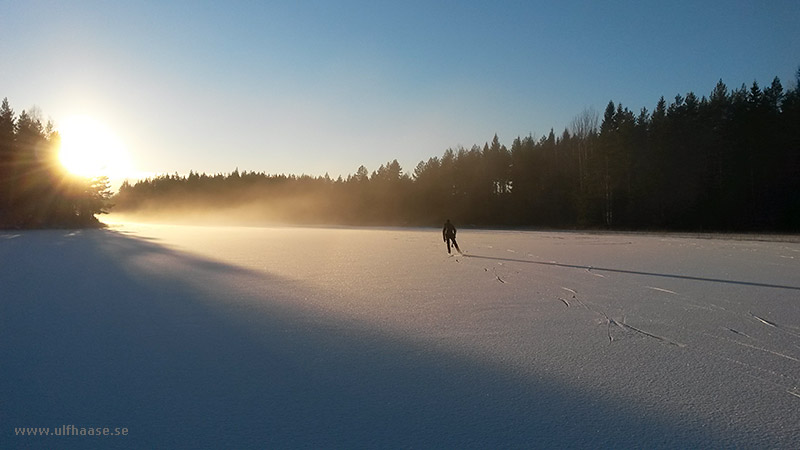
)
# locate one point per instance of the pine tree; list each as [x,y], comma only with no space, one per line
[7,128]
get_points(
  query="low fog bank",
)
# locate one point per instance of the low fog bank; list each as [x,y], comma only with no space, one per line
[318,213]
[252,213]
[251,199]
[282,204]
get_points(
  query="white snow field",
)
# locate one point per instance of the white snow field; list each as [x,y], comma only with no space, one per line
[236,337]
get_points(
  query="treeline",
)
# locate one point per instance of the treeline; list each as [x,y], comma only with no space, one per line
[728,161]
[35,190]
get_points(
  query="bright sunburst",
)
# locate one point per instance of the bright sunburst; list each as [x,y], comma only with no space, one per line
[90,149]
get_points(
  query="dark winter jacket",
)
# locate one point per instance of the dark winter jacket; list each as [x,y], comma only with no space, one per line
[449,231]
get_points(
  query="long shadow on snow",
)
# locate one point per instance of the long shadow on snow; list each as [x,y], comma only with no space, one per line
[99,329]
[635,272]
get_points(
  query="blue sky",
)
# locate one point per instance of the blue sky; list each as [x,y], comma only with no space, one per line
[325,86]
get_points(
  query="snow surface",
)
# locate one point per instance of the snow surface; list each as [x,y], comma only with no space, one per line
[226,337]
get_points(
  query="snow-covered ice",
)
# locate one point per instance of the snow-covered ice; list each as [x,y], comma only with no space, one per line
[236,337]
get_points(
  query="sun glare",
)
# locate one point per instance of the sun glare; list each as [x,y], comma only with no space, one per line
[90,149]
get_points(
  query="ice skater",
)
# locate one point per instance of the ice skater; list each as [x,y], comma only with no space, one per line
[449,234]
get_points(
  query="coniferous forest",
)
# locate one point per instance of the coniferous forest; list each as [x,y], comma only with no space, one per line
[35,190]
[729,161]
[723,162]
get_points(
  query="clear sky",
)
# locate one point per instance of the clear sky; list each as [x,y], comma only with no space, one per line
[325,86]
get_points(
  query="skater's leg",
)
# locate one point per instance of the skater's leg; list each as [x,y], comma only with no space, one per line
[455,244]
[448,245]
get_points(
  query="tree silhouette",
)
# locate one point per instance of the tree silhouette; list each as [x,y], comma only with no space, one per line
[35,190]
[729,161]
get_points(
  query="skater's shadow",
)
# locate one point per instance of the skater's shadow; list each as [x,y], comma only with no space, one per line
[635,272]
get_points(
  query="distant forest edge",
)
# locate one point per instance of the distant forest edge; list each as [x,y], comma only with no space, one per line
[35,190]
[729,161]
[726,162]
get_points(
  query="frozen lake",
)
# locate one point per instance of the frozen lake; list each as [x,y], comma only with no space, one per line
[235,337]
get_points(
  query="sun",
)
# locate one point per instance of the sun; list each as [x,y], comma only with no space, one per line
[91,149]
